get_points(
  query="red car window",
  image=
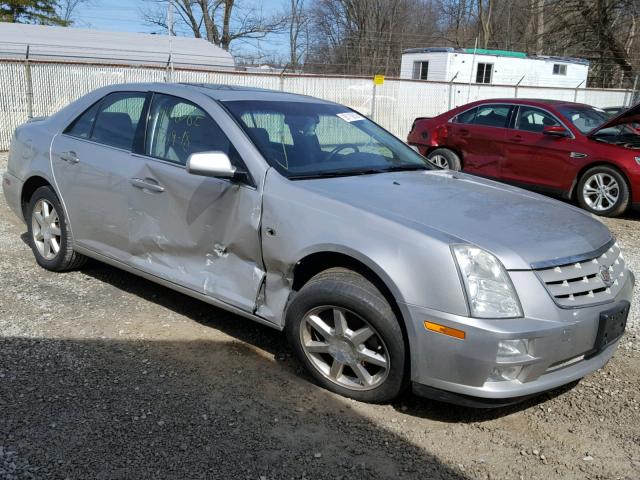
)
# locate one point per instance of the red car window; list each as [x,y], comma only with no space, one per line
[533,119]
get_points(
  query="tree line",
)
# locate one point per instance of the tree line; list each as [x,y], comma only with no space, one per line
[367,37]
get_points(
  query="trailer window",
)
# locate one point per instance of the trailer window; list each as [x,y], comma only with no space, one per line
[420,70]
[484,73]
[559,69]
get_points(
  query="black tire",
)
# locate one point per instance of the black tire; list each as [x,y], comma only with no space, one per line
[608,209]
[345,289]
[452,159]
[66,258]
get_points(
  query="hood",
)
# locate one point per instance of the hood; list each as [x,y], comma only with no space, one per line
[631,115]
[521,228]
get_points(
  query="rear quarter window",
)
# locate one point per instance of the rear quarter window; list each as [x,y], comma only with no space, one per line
[465,117]
[82,126]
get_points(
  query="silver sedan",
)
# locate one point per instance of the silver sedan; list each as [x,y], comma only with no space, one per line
[303,215]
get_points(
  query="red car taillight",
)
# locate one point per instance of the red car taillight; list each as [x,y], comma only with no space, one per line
[440,135]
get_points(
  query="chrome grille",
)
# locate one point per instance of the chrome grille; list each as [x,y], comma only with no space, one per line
[581,284]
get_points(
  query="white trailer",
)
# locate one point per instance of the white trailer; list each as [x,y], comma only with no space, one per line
[493,67]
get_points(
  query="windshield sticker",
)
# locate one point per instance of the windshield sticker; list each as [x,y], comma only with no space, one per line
[350,116]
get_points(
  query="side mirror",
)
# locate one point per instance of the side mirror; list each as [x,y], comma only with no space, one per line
[555,131]
[210,164]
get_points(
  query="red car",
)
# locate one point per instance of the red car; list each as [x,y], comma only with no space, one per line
[565,149]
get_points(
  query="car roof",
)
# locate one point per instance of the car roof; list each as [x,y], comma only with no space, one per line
[223,92]
[530,101]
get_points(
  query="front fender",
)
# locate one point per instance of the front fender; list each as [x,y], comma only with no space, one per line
[417,268]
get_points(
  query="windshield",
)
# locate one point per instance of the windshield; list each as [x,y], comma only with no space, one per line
[306,140]
[584,118]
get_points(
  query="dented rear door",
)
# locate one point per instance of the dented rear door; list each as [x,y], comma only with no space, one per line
[198,232]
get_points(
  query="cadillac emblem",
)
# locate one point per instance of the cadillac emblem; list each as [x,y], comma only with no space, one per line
[605,275]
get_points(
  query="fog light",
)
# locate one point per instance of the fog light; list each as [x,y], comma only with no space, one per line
[506,373]
[510,349]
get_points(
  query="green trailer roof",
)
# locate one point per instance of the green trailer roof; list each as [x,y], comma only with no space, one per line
[500,53]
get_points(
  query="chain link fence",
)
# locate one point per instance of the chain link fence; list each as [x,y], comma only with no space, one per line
[39,88]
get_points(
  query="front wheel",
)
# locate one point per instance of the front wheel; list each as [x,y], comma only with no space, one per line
[346,334]
[603,190]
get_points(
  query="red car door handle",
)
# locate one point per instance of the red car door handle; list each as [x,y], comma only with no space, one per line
[464,131]
[517,138]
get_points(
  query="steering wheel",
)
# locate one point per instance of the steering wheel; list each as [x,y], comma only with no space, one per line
[339,148]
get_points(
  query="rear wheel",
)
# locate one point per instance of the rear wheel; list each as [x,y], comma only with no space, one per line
[603,190]
[346,334]
[445,158]
[49,237]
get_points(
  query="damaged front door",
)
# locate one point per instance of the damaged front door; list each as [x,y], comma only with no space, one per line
[198,232]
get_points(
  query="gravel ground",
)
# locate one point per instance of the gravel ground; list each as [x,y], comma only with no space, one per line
[105,375]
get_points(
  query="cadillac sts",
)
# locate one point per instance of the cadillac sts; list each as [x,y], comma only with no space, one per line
[385,271]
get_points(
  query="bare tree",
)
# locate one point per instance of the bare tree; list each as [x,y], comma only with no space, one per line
[219,21]
[485,13]
[539,15]
[298,21]
[604,31]
[67,8]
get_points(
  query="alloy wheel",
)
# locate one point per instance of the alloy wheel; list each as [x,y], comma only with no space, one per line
[601,191]
[45,227]
[344,348]
[439,161]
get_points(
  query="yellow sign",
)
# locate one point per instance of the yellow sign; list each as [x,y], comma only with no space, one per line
[378,79]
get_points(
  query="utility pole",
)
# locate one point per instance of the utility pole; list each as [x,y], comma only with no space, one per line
[170,32]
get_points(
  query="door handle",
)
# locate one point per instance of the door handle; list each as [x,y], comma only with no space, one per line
[70,157]
[464,131]
[517,138]
[147,184]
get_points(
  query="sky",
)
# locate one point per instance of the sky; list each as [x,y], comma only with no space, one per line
[128,16]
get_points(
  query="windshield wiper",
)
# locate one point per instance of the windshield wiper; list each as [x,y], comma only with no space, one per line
[366,171]
[335,173]
[405,168]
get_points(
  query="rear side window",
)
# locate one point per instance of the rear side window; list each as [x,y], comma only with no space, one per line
[177,128]
[81,127]
[492,116]
[118,118]
[533,119]
[466,117]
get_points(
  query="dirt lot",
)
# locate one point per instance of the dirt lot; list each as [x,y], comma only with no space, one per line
[106,375]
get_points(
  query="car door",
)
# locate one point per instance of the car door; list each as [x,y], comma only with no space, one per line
[92,163]
[199,232]
[535,158]
[480,136]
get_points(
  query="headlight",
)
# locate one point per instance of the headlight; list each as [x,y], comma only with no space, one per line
[490,293]
[638,160]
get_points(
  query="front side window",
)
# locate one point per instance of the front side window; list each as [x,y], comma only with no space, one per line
[533,119]
[117,119]
[302,139]
[420,70]
[484,73]
[177,128]
[492,116]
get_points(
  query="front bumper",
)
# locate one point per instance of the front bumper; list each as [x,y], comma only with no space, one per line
[557,337]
